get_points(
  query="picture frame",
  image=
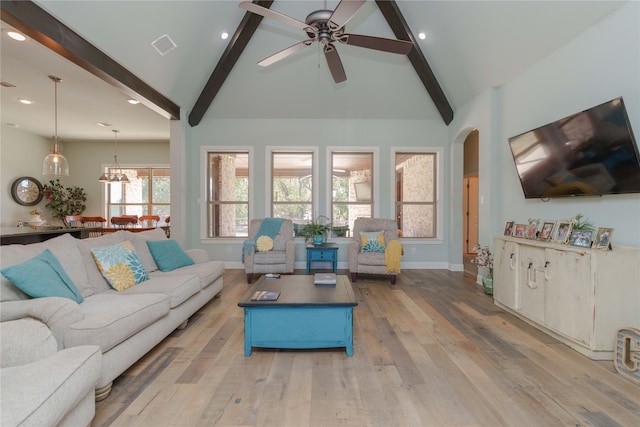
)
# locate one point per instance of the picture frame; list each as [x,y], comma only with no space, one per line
[532,229]
[562,232]
[581,238]
[520,230]
[546,231]
[603,238]
[508,228]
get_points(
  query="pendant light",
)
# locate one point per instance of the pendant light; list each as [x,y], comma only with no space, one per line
[114,172]
[55,163]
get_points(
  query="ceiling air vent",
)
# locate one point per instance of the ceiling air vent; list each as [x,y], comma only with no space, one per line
[5,83]
[163,44]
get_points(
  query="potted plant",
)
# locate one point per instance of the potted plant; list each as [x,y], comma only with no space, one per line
[64,201]
[485,259]
[316,230]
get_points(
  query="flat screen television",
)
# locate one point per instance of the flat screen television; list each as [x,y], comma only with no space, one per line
[591,153]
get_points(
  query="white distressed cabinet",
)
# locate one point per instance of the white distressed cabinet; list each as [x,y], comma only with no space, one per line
[580,296]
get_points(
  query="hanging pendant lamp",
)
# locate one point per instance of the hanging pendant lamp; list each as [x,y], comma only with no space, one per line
[55,163]
[114,172]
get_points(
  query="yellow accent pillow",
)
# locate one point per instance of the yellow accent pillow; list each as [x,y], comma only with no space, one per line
[372,241]
[264,243]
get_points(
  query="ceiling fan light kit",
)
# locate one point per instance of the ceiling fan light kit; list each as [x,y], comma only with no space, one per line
[55,163]
[327,27]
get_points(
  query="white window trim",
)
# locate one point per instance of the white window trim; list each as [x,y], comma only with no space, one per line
[269,150]
[204,157]
[375,210]
[439,151]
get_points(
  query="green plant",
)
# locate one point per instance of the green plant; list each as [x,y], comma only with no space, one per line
[64,201]
[580,224]
[318,227]
[483,257]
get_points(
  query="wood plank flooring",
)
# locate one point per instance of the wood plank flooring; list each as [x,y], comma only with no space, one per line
[431,351]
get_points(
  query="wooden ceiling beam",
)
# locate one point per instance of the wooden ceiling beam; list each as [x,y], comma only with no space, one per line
[395,19]
[35,22]
[236,46]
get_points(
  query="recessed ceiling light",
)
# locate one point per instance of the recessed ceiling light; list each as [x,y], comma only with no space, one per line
[16,36]
[224,35]
[104,124]
[422,35]
[25,101]
[133,101]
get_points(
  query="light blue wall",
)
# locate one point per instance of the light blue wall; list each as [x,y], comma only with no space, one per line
[259,134]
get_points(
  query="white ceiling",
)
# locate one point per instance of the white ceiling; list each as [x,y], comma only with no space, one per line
[473,45]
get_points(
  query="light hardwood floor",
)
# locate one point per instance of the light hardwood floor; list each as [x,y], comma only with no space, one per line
[431,351]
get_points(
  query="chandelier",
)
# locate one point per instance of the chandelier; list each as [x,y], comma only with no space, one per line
[55,163]
[114,172]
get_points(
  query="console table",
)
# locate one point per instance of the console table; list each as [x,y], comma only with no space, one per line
[27,235]
[326,252]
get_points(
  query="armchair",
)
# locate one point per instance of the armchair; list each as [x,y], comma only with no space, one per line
[278,260]
[374,262]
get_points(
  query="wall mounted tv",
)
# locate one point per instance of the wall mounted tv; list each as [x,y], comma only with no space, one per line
[591,153]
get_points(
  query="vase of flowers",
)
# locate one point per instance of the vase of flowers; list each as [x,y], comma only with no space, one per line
[484,259]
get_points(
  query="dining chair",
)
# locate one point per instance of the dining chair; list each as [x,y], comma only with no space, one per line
[149,220]
[124,221]
[96,223]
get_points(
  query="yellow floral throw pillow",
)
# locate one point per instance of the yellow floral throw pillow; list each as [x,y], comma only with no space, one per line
[372,241]
[264,243]
[120,265]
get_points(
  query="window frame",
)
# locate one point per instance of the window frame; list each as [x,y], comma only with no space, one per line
[269,151]
[105,189]
[439,209]
[375,177]
[204,201]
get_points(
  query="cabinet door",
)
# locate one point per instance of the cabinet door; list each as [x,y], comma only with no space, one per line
[568,294]
[505,275]
[531,282]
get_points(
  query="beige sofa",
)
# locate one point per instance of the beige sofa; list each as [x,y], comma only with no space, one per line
[125,325]
[42,386]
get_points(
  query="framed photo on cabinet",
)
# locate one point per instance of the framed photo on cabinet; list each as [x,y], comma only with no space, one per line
[563,231]
[532,228]
[581,238]
[508,228]
[546,231]
[603,238]
[520,230]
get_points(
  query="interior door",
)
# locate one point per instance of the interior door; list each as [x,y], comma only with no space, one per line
[470,206]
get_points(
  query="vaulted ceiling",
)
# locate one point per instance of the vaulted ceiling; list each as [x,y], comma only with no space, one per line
[472,45]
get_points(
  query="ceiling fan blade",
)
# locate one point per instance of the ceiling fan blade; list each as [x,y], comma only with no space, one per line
[343,13]
[334,63]
[378,43]
[284,53]
[268,13]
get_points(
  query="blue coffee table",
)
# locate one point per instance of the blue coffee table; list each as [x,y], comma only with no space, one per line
[304,316]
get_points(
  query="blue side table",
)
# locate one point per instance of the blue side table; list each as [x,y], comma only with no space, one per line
[326,252]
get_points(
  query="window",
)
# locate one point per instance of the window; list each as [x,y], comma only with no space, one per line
[351,190]
[148,192]
[292,185]
[415,188]
[227,194]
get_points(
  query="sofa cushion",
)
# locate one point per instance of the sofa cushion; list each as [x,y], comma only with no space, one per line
[168,254]
[63,247]
[270,257]
[139,241]
[16,350]
[372,241]
[120,265]
[97,283]
[43,276]
[110,318]
[208,272]
[179,288]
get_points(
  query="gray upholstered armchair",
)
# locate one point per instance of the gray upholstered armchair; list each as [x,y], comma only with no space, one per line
[373,262]
[278,260]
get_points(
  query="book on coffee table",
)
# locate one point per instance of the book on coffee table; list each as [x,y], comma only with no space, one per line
[324,279]
[265,296]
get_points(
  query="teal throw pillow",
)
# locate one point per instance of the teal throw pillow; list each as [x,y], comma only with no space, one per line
[120,265]
[372,241]
[168,254]
[43,276]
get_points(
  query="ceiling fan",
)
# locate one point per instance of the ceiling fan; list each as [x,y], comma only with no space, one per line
[326,27]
